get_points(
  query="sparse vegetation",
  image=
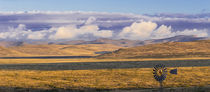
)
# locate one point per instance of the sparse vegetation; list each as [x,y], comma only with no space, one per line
[55,50]
[28,61]
[103,79]
[164,50]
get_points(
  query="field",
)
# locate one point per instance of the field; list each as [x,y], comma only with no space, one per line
[28,50]
[29,61]
[103,79]
[126,68]
[164,50]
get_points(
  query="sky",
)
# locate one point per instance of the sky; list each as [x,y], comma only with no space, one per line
[45,20]
[119,6]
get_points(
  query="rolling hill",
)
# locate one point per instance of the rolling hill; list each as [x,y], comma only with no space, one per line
[103,46]
[6,52]
[55,50]
[163,50]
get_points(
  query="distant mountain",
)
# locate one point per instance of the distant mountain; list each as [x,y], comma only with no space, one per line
[120,42]
[133,43]
[180,38]
[11,43]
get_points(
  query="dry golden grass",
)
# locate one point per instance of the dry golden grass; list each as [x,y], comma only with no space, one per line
[103,79]
[9,52]
[27,61]
[164,50]
[56,50]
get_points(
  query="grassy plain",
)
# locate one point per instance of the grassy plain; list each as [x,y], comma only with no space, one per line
[99,79]
[28,61]
[102,79]
[164,50]
[105,78]
[55,50]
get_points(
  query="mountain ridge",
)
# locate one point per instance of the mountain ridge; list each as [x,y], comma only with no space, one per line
[117,42]
[133,43]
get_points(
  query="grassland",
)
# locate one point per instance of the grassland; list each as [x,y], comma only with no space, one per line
[29,61]
[164,50]
[105,78]
[99,79]
[102,79]
[55,50]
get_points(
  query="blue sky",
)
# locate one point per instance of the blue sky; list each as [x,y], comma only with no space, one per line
[123,6]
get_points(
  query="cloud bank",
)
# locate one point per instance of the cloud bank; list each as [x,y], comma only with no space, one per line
[56,26]
[137,31]
[69,32]
[149,30]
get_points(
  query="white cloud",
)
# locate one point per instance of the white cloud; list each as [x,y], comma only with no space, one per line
[165,32]
[90,20]
[149,30]
[73,33]
[70,32]
[38,35]
[66,32]
[21,33]
[138,31]
[15,33]
[162,32]
[196,32]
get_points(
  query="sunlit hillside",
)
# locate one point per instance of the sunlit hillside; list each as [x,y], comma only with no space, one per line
[164,50]
[5,52]
[56,50]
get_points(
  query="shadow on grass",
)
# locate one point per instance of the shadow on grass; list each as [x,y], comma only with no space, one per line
[189,89]
[47,57]
[104,65]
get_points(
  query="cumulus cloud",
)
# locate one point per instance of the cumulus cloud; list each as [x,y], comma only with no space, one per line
[150,30]
[136,31]
[74,33]
[162,32]
[69,32]
[16,33]
[196,32]
[90,20]
[21,33]
[38,35]
[108,21]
